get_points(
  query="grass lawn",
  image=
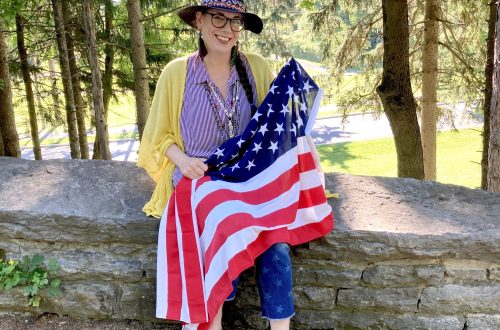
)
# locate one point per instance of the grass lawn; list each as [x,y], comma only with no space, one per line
[458,157]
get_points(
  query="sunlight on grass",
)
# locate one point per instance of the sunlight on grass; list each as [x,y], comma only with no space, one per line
[459,157]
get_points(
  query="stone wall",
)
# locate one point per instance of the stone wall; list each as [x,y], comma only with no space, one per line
[405,254]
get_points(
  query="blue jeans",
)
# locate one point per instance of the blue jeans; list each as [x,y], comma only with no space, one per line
[273,270]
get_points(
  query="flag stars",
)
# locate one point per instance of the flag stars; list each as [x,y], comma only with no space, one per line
[300,122]
[273,147]
[303,106]
[285,109]
[235,166]
[267,296]
[257,147]
[307,87]
[219,153]
[270,110]
[290,91]
[294,130]
[250,165]
[278,283]
[256,116]
[273,87]
[279,128]
[240,142]
[265,270]
[279,309]
[263,129]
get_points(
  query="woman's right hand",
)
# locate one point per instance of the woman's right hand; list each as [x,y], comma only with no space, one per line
[193,167]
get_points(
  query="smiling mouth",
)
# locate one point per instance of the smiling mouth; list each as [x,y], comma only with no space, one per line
[222,38]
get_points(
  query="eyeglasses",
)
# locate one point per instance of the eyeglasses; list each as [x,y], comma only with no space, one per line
[219,21]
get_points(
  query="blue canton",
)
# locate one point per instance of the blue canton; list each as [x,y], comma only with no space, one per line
[284,115]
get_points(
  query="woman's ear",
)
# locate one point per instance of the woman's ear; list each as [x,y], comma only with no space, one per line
[199,16]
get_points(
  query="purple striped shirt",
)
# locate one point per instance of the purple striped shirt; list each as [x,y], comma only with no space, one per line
[200,132]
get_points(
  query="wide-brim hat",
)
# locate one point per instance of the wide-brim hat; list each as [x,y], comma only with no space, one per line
[252,22]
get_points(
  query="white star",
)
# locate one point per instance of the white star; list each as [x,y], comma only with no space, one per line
[298,68]
[273,147]
[253,132]
[290,91]
[234,156]
[273,87]
[250,165]
[257,147]
[299,121]
[240,142]
[219,153]
[307,87]
[279,129]
[235,166]
[263,129]
[256,116]
[303,106]
[270,110]
[293,129]
[285,109]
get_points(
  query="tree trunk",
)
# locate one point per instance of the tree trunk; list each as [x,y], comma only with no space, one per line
[30,98]
[75,81]
[494,146]
[8,131]
[429,86]
[395,90]
[488,91]
[107,77]
[139,63]
[66,79]
[100,120]
[53,91]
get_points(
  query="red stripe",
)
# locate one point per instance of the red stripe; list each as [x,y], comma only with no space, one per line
[174,298]
[306,162]
[254,197]
[312,197]
[239,221]
[246,258]
[192,272]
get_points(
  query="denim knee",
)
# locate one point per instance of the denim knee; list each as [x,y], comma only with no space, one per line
[274,282]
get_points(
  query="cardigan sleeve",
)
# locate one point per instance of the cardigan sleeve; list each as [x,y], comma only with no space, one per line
[162,129]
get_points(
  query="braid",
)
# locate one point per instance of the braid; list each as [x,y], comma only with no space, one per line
[243,75]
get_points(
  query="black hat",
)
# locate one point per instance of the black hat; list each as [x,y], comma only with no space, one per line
[252,22]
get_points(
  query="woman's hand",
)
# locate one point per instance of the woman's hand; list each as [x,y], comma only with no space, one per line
[193,167]
[190,167]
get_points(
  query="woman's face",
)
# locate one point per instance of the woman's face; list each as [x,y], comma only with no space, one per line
[218,39]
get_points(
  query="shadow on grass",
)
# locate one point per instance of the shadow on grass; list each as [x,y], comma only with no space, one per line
[336,155]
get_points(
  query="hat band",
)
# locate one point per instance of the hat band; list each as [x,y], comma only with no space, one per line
[232,5]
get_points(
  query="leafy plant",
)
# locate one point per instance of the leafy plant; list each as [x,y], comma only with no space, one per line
[31,275]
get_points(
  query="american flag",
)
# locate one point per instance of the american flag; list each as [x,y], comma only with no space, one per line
[263,186]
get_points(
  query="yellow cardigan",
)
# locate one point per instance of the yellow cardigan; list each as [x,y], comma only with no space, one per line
[163,125]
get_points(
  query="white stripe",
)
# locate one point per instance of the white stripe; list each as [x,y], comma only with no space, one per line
[192,326]
[184,307]
[282,164]
[311,215]
[310,179]
[240,240]
[161,269]
[223,210]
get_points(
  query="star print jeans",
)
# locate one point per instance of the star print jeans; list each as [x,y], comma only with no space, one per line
[273,270]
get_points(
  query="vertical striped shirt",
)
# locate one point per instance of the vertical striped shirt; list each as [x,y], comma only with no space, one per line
[200,133]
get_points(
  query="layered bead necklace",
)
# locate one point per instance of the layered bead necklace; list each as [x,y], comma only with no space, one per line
[232,113]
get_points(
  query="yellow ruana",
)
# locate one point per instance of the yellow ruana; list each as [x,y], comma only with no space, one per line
[163,125]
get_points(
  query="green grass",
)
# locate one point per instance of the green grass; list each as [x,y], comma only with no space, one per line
[458,157]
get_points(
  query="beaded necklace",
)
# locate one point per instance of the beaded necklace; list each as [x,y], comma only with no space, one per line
[232,113]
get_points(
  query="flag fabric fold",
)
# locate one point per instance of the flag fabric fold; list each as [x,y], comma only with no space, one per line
[263,187]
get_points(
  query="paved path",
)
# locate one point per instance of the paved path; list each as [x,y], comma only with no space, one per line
[326,131]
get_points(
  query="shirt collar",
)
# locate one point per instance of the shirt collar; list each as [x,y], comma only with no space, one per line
[201,74]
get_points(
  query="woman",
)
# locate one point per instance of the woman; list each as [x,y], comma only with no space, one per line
[201,101]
